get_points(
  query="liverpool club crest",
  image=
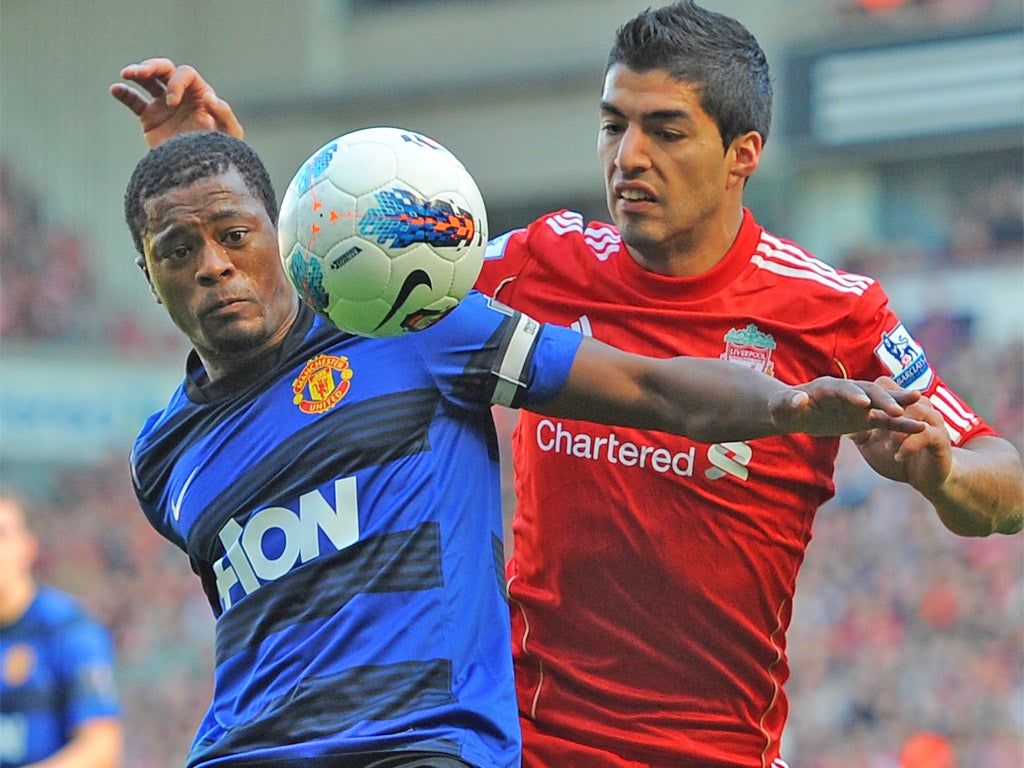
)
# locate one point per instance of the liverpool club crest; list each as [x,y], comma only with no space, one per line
[750,348]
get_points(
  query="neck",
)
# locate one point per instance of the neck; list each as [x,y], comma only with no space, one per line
[15,598]
[691,253]
[252,360]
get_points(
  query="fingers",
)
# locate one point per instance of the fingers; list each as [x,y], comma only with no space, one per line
[186,79]
[129,97]
[829,388]
[886,395]
[905,397]
[797,399]
[225,117]
[161,77]
[907,425]
[150,74]
[861,438]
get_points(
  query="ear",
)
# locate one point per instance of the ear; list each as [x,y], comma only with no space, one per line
[140,262]
[745,153]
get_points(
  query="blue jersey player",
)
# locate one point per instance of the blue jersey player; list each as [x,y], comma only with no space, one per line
[338,496]
[58,696]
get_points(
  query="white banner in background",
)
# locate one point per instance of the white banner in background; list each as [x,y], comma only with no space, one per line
[61,410]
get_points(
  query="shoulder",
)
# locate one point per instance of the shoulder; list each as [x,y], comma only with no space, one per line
[554,248]
[559,230]
[53,606]
[593,237]
[60,614]
[791,266]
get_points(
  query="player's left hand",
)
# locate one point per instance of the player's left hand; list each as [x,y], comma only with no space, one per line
[182,101]
[923,459]
[834,406]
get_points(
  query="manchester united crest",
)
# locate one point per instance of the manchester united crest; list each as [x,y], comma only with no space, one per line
[18,663]
[322,383]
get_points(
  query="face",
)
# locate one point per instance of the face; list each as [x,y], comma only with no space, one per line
[672,189]
[17,545]
[211,257]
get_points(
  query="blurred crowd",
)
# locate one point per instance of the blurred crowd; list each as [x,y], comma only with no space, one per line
[48,280]
[900,628]
[99,546]
[902,633]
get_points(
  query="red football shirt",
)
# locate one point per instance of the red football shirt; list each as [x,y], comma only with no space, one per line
[652,578]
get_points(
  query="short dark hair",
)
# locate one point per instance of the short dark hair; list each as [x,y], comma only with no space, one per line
[184,160]
[713,52]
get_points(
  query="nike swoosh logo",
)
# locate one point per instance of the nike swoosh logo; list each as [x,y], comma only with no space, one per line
[176,502]
[415,278]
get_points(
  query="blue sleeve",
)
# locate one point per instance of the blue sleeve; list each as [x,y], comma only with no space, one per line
[485,353]
[552,360]
[88,654]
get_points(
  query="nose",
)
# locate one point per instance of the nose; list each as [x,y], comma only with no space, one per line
[213,264]
[632,154]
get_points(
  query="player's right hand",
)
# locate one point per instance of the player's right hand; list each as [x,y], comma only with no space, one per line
[179,101]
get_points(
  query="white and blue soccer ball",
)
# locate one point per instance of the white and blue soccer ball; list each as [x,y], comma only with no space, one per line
[382,231]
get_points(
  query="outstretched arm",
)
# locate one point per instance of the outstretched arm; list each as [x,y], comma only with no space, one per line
[716,401]
[178,101]
[976,489]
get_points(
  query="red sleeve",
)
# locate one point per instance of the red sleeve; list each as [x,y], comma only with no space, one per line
[876,343]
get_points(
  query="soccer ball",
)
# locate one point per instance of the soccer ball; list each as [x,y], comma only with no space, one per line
[382,231]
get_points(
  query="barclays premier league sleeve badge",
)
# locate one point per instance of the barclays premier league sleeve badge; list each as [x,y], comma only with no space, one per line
[904,359]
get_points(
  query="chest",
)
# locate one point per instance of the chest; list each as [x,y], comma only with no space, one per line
[782,328]
[330,416]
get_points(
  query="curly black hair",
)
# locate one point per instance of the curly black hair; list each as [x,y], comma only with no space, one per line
[185,159]
[713,52]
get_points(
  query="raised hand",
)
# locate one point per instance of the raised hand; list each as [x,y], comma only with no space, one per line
[179,100]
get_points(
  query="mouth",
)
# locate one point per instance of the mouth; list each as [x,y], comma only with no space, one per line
[223,306]
[634,194]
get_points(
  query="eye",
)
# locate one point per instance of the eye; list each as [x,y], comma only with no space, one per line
[611,127]
[234,236]
[176,253]
[667,134]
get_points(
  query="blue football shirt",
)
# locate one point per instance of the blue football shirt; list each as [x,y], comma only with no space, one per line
[56,672]
[341,506]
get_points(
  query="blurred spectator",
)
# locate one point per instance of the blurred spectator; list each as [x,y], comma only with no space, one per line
[59,703]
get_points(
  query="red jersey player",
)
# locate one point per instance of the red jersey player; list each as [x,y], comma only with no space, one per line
[652,577]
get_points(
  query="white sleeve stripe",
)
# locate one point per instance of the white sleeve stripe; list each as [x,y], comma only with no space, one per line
[511,372]
[787,271]
[949,414]
[951,399]
[944,400]
[773,247]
